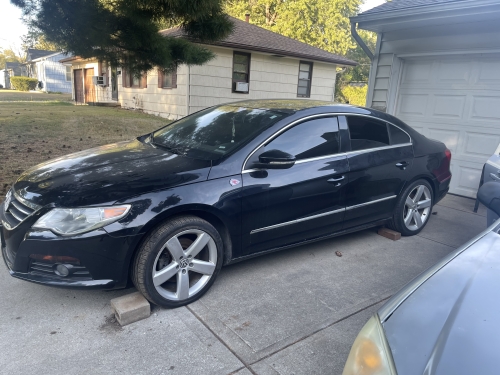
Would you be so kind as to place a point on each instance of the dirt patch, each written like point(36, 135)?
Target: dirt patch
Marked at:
point(32, 133)
point(110, 325)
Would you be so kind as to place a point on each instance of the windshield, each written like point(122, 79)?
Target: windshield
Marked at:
point(215, 132)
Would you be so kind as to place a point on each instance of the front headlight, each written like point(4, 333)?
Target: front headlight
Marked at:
point(69, 221)
point(370, 354)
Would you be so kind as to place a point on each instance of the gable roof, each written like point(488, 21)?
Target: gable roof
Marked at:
point(37, 53)
point(250, 37)
point(405, 4)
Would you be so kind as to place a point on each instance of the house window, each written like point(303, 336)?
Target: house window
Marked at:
point(305, 75)
point(167, 80)
point(241, 72)
point(68, 73)
point(130, 79)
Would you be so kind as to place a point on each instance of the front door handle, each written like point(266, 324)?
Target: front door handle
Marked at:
point(402, 165)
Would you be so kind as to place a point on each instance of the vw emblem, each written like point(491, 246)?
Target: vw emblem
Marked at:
point(184, 262)
point(234, 182)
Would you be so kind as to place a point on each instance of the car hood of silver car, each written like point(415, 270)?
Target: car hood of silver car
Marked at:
point(447, 321)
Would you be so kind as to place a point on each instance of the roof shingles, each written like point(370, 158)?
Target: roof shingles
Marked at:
point(405, 4)
point(254, 38)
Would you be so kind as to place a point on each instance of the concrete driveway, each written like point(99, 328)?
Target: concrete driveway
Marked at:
point(292, 312)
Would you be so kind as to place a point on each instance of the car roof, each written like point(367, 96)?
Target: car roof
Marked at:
point(295, 105)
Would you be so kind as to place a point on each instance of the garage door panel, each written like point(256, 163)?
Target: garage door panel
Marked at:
point(449, 137)
point(466, 179)
point(480, 144)
point(455, 100)
point(486, 108)
point(449, 106)
point(454, 72)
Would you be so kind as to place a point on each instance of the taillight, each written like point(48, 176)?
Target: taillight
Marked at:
point(443, 172)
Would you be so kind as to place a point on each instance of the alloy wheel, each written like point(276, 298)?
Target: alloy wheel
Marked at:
point(184, 265)
point(417, 207)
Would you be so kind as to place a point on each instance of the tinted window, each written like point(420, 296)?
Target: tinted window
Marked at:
point(398, 136)
point(215, 132)
point(310, 139)
point(367, 133)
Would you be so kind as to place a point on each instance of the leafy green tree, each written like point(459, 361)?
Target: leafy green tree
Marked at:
point(35, 39)
point(358, 73)
point(125, 32)
point(322, 23)
point(7, 55)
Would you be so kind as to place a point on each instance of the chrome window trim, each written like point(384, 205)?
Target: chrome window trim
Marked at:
point(297, 221)
point(370, 202)
point(320, 215)
point(364, 151)
point(271, 137)
point(331, 156)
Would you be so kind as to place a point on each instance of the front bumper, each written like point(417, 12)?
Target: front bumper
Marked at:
point(103, 259)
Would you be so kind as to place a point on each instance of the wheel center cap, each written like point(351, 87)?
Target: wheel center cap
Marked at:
point(184, 262)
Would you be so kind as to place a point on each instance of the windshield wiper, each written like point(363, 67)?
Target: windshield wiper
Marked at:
point(174, 150)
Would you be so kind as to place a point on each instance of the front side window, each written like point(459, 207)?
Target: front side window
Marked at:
point(215, 132)
point(367, 133)
point(310, 139)
point(68, 73)
point(241, 72)
point(305, 76)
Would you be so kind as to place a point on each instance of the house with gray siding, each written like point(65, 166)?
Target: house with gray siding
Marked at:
point(251, 63)
point(51, 74)
point(437, 67)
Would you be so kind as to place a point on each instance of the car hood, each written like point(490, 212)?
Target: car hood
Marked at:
point(451, 324)
point(107, 173)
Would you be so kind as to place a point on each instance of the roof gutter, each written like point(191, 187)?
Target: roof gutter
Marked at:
point(360, 41)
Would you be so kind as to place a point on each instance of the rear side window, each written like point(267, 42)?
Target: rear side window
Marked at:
point(398, 136)
point(367, 133)
point(310, 139)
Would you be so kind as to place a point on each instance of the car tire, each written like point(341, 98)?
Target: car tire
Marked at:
point(413, 209)
point(178, 261)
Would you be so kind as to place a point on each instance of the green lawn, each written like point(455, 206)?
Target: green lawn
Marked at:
point(15, 96)
point(33, 132)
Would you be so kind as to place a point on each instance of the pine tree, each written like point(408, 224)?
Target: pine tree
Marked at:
point(125, 32)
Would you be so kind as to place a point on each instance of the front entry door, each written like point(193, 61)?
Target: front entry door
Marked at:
point(285, 206)
point(78, 80)
point(89, 86)
point(380, 161)
point(114, 84)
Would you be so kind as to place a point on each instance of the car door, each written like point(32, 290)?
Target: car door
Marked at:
point(380, 163)
point(285, 206)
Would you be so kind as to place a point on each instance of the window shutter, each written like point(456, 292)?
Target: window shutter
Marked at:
point(144, 81)
point(174, 78)
point(99, 68)
point(160, 78)
point(124, 77)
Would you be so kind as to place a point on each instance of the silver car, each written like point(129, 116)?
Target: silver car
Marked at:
point(446, 321)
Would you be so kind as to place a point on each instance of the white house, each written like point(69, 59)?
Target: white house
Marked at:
point(45, 66)
point(251, 63)
point(437, 67)
point(11, 69)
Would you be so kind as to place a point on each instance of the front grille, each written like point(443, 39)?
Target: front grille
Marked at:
point(42, 268)
point(17, 210)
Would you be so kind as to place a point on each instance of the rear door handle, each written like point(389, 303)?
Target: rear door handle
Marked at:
point(402, 164)
point(336, 179)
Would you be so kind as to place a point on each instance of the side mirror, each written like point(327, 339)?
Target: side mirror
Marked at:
point(276, 159)
point(489, 195)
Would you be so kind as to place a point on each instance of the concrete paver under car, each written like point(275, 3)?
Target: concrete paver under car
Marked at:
point(296, 311)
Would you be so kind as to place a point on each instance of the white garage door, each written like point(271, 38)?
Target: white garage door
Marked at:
point(456, 101)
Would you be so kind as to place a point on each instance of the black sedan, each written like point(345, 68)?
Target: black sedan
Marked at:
point(227, 183)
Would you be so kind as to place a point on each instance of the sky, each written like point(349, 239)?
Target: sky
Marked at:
point(11, 27)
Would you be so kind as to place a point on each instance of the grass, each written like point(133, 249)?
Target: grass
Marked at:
point(20, 96)
point(34, 132)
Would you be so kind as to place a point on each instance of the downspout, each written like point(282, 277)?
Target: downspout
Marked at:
point(360, 41)
point(188, 95)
